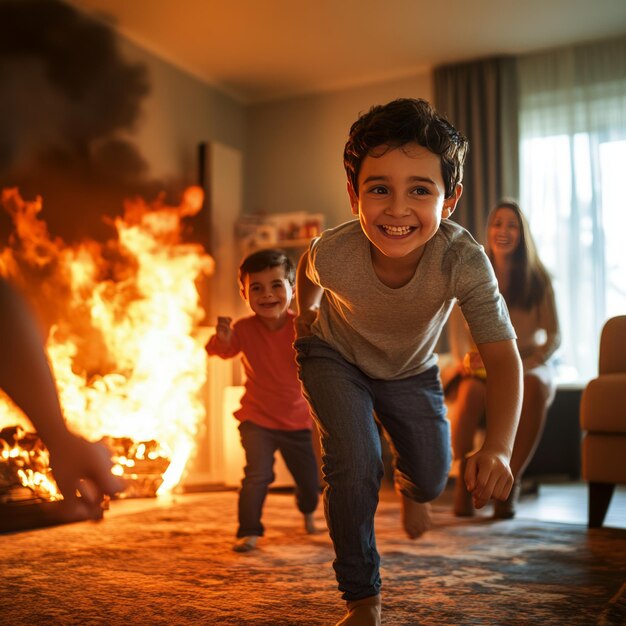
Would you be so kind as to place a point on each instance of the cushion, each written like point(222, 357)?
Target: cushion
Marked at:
point(603, 404)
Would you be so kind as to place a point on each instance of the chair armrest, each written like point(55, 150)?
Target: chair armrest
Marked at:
point(602, 404)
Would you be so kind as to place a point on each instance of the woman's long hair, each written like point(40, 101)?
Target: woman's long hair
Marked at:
point(529, 277)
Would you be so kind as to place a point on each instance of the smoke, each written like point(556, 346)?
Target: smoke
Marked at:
point(69, 100)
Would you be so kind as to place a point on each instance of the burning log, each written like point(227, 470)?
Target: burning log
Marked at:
point(25, 474)
point(140, 465)
point(29, 496)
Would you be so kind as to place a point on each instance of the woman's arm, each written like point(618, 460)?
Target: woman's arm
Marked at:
point(545, 318)
point(549, 320)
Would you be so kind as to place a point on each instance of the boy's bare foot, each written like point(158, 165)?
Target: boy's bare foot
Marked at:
point(364, 612)
point(245, 544)
point(309, 524)
point(415, 517)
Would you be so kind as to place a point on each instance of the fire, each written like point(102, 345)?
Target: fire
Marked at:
point(124, 319)
point(25, 465)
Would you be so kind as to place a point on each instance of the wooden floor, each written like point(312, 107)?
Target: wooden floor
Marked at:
point(554, 501)
point(567, 502)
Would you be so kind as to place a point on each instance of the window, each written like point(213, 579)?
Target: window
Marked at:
point(572, 156)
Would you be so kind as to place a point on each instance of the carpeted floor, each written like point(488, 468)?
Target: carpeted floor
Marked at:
point(173, 564)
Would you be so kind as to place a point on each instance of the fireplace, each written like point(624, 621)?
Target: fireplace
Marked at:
point(125, 340)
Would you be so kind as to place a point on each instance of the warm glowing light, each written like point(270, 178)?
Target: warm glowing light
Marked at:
point(25, 468)
point(125, 352)
point(193, 199)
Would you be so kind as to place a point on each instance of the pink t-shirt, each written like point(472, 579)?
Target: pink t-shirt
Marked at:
point(272, 397)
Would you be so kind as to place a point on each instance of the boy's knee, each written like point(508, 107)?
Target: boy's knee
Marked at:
point(422, 494)
point(358, 469)
point(420, 489)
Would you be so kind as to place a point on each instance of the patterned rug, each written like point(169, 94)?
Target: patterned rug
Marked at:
point(171, 563)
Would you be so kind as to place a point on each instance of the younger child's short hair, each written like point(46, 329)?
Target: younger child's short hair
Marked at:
point(404, 121)
point(266, 259)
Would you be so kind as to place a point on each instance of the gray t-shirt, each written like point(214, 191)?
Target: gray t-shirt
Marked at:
point(391, 333)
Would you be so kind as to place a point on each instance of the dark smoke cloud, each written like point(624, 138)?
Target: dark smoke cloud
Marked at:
point(66, 99)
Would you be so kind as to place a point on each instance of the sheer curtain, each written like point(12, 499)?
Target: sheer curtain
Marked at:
point(572, 122)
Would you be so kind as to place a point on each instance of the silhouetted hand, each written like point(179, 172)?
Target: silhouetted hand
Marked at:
point(82, 467)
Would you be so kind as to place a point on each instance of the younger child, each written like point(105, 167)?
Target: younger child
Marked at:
point(365, 349)
point(273, 413)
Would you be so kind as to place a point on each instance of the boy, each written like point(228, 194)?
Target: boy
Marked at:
point(273, 413)
point(389, 280)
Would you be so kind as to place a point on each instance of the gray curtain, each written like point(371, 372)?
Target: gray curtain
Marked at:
point(480, 99)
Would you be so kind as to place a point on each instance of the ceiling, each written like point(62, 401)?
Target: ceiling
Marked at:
point(260, 50)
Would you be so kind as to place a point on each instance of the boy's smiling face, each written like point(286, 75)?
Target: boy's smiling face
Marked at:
point(268, 293)
point(401, 201)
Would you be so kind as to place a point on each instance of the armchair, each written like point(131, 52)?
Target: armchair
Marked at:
point(603, 420)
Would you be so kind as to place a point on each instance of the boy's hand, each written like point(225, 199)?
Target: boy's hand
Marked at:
point(487, 475)
point(302, 322)
point(223, 330)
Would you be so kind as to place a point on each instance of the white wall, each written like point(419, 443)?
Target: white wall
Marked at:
point(178, 114)
point(294, 156)
point(292, 149)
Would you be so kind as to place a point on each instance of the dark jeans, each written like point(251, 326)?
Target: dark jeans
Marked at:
point(346, 404)
point(260, 445)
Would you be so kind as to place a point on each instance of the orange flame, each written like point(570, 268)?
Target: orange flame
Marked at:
point(124, 341)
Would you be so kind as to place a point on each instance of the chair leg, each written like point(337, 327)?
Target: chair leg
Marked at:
point(600, 495)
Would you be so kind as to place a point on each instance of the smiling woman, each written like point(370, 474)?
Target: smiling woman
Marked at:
point(527, 289)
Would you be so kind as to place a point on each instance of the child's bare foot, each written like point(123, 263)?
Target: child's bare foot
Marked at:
point(415, 517)
point(364, 612)
point(245, 544)
point(309, 524)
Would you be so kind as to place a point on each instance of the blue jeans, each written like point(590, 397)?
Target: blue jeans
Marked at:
point(260, 445)
point(346, 404)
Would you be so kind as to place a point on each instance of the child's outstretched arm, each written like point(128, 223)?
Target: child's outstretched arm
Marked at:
point(222, 343)
point(488, 474)
point(308, 297)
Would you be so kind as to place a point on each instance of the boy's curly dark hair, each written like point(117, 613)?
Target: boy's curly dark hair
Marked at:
point(404, 121)
point(266, 259)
